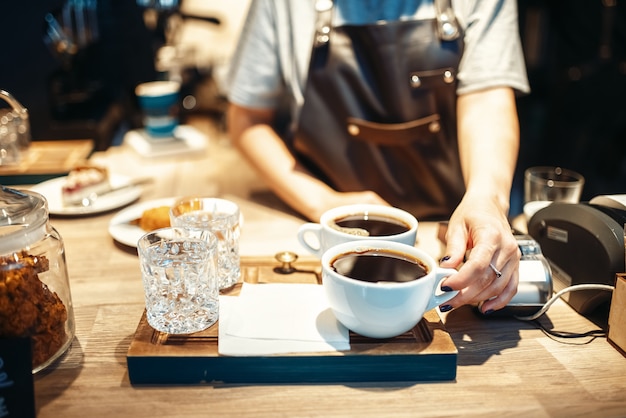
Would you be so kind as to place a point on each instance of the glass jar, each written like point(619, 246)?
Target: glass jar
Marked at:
point(35, 299)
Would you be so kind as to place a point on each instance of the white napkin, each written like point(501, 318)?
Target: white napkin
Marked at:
point(279, 318)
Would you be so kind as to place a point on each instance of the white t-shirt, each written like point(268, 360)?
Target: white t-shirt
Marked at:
point(275, 46)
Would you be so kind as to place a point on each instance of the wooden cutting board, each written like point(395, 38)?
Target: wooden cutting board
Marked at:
point(426, 353)
point(47, 159)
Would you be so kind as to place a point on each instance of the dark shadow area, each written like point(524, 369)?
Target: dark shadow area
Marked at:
point(81, 84)
point(575, 116)
point(478, 340)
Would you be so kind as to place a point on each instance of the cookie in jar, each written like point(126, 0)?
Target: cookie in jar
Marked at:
point(35, 299)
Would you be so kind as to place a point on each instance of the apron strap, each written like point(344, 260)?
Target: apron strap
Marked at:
point(324, 10)
point(447, 24)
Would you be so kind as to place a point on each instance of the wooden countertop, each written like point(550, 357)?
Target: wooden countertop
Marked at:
point(505, 367)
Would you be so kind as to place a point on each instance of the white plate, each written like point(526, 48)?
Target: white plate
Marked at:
point(51, 190)
point(127, 234)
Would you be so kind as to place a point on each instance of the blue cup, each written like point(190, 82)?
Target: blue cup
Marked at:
point(159, 102)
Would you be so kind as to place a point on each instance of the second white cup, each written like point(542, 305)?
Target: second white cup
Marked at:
point(358, 222)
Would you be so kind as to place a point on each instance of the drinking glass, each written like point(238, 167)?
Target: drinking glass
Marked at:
point(222, 218)
point(544, 185)
point(178, 269)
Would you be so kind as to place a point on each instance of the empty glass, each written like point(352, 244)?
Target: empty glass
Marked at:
point(544, 185)
point(178, 269)
point(221, 217)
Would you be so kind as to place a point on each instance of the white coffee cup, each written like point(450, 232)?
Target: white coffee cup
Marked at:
point(383, 308)
point(319, 237)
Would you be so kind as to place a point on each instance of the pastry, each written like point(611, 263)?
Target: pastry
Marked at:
point(155, 218)
point(83, 181)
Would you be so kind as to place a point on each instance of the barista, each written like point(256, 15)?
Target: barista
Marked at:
point(375, 109)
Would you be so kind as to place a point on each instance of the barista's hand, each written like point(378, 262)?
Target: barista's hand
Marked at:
point(479, 226)
point(333, 199)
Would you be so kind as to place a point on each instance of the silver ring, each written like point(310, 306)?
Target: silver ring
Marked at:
point(495, 270)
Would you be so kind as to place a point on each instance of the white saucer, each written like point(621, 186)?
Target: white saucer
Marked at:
point(186, 140)
point(125, 233)
point(51, 190)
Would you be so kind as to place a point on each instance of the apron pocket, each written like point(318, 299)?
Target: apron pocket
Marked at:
point(393, 134)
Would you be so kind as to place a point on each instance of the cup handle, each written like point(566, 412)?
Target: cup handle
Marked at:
point(311, 229)
point(437, 298)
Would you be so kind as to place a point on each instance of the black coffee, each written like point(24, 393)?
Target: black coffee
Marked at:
point(379, 266)
point(375, 225)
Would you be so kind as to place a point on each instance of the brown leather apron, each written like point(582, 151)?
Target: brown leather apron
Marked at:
point(379, 111)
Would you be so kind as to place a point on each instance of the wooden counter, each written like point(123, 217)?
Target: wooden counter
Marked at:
point(505, 367)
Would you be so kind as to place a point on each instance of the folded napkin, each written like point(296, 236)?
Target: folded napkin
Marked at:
point(279, 318)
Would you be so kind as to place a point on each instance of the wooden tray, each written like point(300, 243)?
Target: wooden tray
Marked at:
point(427, 353)
point(47, 159)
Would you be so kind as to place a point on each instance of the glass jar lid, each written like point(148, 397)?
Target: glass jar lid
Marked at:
point(23, 218)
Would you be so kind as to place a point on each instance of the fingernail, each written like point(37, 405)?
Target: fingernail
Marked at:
point(445, 258)
point(446, 289)
point(488, 312)
point(445, 308)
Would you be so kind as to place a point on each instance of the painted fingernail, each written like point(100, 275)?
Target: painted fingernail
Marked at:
point(445, 258)
point(488, 312)
point(445, 308)
point(446, 289)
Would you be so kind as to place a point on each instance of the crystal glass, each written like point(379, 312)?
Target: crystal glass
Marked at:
point(178, 269)
point(220, 216)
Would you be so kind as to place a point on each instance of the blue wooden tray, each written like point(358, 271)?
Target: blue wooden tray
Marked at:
point(426, 353)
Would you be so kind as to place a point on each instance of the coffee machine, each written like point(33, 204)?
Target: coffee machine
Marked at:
point(584, 243)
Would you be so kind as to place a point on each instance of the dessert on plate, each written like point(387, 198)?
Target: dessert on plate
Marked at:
point(154, 218)
point(84, 181)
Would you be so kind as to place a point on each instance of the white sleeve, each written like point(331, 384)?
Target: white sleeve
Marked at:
point(255, 78)
point(493, 53)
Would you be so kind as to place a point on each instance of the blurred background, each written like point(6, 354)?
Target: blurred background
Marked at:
point(575, 116)
point(74, 64)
